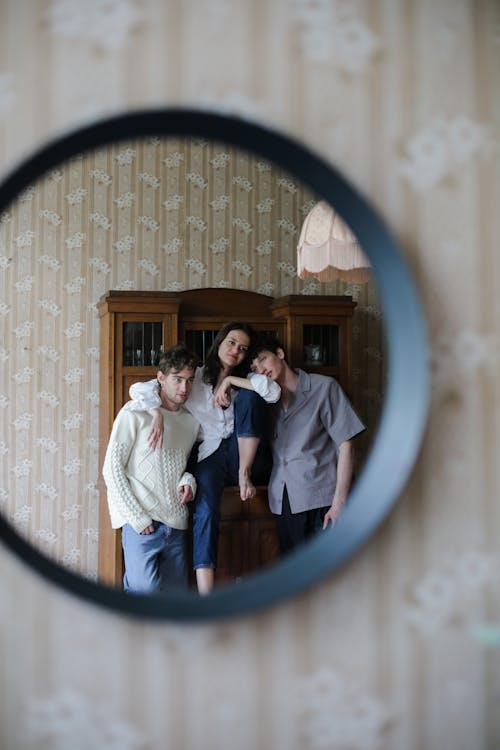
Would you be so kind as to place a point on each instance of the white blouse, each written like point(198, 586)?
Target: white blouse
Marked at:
point(215, 423)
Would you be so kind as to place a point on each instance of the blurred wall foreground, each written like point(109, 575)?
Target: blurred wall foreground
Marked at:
point(401, 648)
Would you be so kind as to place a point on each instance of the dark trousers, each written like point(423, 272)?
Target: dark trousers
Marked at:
point(296, 528)
point(220, 470)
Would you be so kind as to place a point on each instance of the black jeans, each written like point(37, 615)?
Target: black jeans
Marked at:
point(296, 528)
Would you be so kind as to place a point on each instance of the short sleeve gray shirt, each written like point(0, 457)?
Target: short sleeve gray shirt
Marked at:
point(305, 441)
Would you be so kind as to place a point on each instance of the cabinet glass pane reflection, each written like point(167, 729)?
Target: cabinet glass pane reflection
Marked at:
point(321, 345)
point(200, 342)
point(142, 343)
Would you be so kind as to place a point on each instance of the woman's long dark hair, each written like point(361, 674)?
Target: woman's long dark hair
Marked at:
point(213, 366)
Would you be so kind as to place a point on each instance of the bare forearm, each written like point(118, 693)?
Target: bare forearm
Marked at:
point(345, 466)
point(236, 382)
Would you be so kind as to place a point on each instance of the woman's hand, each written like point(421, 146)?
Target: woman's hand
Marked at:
point(155, 437)
point(222, 394)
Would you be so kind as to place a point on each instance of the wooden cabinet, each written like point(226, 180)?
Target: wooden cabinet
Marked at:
point(318, 334)
point(136, 326)
point(247, 537)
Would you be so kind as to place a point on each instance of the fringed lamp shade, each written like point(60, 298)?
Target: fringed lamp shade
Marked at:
point(328, 250)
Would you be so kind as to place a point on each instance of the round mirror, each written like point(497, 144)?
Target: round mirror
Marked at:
point(288, 176)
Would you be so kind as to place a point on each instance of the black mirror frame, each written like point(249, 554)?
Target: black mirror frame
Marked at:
point(405, 408)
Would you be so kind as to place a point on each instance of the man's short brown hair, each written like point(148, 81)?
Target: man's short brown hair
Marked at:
point(177, 358)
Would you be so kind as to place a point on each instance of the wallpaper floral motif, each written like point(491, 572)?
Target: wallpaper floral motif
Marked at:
point(158, 214)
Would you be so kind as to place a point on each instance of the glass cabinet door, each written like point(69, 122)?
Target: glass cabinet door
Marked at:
point(321, 345)
point(199, 341)
point(142, 343)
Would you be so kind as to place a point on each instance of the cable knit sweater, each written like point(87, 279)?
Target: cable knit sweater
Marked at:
point(143, 484)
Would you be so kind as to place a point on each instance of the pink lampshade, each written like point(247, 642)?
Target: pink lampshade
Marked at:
point(328, 250)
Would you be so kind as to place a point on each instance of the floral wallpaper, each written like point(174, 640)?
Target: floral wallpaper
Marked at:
point(399, 647)
point(157, 214)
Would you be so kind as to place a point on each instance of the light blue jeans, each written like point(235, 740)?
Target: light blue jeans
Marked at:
point(153, 562)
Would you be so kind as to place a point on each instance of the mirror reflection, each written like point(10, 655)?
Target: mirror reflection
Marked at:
point(106, 262)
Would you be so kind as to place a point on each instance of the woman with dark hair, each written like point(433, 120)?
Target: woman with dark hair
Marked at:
point(232, 449)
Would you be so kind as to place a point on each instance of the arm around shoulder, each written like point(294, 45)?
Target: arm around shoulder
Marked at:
point(144, 396)
point(261, 384)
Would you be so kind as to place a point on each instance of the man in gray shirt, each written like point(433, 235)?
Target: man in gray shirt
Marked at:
point(313, 425)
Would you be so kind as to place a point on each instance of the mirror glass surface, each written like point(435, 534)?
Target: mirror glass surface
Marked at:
point(149, 214)
point(171, 200)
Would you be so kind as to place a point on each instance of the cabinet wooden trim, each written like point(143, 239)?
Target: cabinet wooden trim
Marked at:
point(309, 304)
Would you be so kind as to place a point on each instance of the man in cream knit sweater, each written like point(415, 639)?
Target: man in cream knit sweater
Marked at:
point(148, 489)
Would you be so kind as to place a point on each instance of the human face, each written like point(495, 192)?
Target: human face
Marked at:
point(270, 364)
point(175, 387)
point(232, 350)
